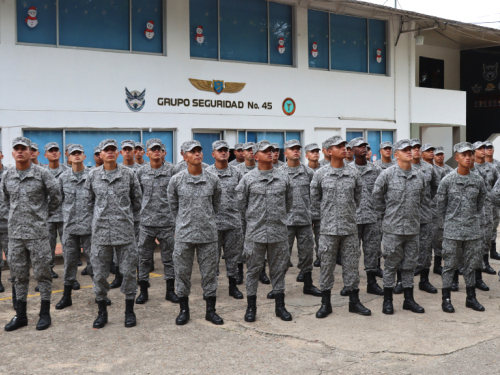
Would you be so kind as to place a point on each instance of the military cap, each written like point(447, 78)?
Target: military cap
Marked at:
point(427, 147)
point(128, 143)
point(248, 145)
point(415, 142)
point(275, 146)
point(34, 146)
point(238, 146)
point(163, 147)
point(333, 141)
point(439, 150)
point(217, 145)
point(188, 146)
point(311, 147)
point(368, 147)
point(401, 144)
point(50, 145)
point(108, 142)
point(97, 150)
point(385, 144)
point(261, 146)
point(488, 144)
point(291, 143)
point(477, 145)
point(139, 144)
point(359, 141)
point(67, 146)
point(462, 147)
point(21, 141)
point(74, 147)
point(153, 142)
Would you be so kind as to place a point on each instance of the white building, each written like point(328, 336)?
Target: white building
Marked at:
point(64, 79)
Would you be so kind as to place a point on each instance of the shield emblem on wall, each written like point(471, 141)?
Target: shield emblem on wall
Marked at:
point(218, 86)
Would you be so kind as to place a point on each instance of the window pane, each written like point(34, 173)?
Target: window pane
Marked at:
point(351, 135)
point(241, 137)
point(293, 135)
point(251, 137)
point(317, 26)
point(280, 26)
point(94, 24)
point(143, 40)
point(377, 41)
point(42, 137)
point(243, 30)
point(348, 39)
point(203, 13)
point(166, 137)
point(206, 140)
point(45, 27)
point(374, 141)
point(272, 137)
point(387, 136)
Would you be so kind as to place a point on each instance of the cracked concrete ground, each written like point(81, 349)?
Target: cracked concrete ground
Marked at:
point(432, 343)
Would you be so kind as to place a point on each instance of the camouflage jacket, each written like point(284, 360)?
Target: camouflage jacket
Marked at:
point(366, 212)
point(57, 217)
point(77, 217)
point(244, 169)
point(324, 162)
point(300, 179)
point(490, 177)
point(428, 205)
point(235, 162)
point(134, 166)
point(182, 166)
point(4, 211)
point(382, 165)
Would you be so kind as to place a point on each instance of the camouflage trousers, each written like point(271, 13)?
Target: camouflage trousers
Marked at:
point(486, 224)
point(461, 253)
point(72, 245)
point(207, 256)
point(278, 259)
point(4, 247)
point(127, 256)
point(349, 248)
point(54, 228)
point(371, 236)
point(147, 245)
point(496, 222)
point(425, 237)
point(437, 242)
point(231, 242)
point(316, 224)
point(20, 253)
point(305, 245)
point(137, 231)
point(399, 251)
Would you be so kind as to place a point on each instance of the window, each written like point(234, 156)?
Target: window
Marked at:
point(257, 31)
point(373, 137)
point(338, 42)
point(273, 137)
point(206, 140)
point(43, 28)
point(41, 138)
point(431, 73)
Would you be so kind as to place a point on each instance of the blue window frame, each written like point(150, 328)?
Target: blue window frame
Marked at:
point(206, 140)
point(204, 13)
point(45, 32)
point(378, 40)
point(42, 137)
point(317, 26)
point(348, 36)
point(143, 12)
point(280, 26)
point(167, 137)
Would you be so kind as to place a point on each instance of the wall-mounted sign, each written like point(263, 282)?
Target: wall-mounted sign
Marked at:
point(217, 86)
point(289, 106)
point(490, 72)
point(135, 100)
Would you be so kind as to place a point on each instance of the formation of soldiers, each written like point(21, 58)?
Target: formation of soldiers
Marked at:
point(250, 211)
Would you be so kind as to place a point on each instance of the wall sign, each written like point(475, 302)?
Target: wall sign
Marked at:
point(217, 86)
point(135, 100)
point(289, 106)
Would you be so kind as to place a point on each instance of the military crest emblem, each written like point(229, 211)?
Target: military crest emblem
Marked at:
point(135, 100)
point(217, 86)
point(490, 72)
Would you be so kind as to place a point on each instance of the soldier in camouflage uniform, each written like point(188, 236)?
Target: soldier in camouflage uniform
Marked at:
point(139, 152)
point(238, 154)
point(77, 221)
point(34, 153)
point(67, 163)
point(336, 193)
point(228, 218)
point(4, 238)
point(31, 194)
point(194, 196)
point(276, 154)
point(114, 199)
point(461, 196)
point(128, 154)
point(398, 193)
point(312, 155)
point(265, 198)
point(157, 221)
point(97, 157)
point(349, 156)
point(490, 150)
point(367, 217)
point(182, 165)
point(386, 160)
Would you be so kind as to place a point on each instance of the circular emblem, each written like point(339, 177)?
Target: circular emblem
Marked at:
point(289, 106)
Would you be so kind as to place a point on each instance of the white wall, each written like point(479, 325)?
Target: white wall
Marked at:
point(451, 59)
point(439, 136)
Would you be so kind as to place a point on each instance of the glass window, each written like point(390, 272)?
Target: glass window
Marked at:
point(167, 137)
point(206, 140)
point(377, 46)
point(387, 136)
point(94, 24)
point(293, 135)
point(251, 137)
point(147, 26)
point(349, 136)
point(317, 25)
point(272, 137)
point(348, 43)
point(374, 141)
point(42, 137)
point(203, 17)
point(280, 34)
point(241, 137)
point(37, 22)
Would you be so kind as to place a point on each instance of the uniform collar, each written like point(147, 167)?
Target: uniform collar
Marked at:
point(335, 171)
point(160, 171)
point(300, 169)
point(401, 172)
point(72, 176)
point(30, 172)
point(226, 173)
point(192, 180)
point(115, 175)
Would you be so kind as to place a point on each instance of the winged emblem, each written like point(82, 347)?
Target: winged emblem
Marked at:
point(217, 86)
point(135, 100)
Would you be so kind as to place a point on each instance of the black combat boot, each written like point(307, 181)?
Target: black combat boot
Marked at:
point(2, 289)
point(44, 321)
point(239, 279)
point(130, 318)
point(471, 300)
point(326, 304)
point(424, 283)
point(108, 301)
point(251, 312)
point(487, 268)
point(144, 295)
point(54, 275)
point(410, 304)
point(112, 268)
point(309, 288)
point(37, 288)
point(171, 296)
point(417, 271)
point(183, 316)
point(280, 310)
point(372, 286)
point(79, 262)
point(493, 251)
point(480, 283)
point(380, 271)
point(76, 285)
point(117, 282)
point(233, 289)
point(14, 297)
point(300, 277)
point(102, 315)
point(454, 283)
point(438, 268)
point(398, 289)
point(344, 292)
point(446, 304)
point(263, 277)
point(387, 307)
point(66, 300)
point(355, 305)
point(270, 295)
point(85, 272)
point(317, 263)
point(211, 315)
point(20, 319)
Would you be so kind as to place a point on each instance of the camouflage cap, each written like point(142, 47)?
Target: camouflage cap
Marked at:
point(248, 145)
point(488, 144)
point(238, 146)
point(462, 147)
point(74, 147)
point(50, 145)
point(357, 142)
point(106, 143)
point(188, 146)
point(217, 145)
point(401, 144)
point(368, 147)
point(414, 142)
point(439, 150)
point(428, 147)
point(276, 146)
point(477, 145)
point(261, 146)
point(311, 147)
point(153, 142)
point(97, 150)
point(385, 144)
point(333, 141)
point(128, 143)
point(21, 141)
point(163, 147)
point(34, 146)
point(291, 143)
point(139, 144)
point(66, 148)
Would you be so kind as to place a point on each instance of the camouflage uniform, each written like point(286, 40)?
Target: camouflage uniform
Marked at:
point(243, 168)
point(182, 166)
point(114, 198)
point(437, 242)
point(496, 210)
point(324, 162)
point(382, 165)
point(235, 163)
point(4, 217)
point(31, 196)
